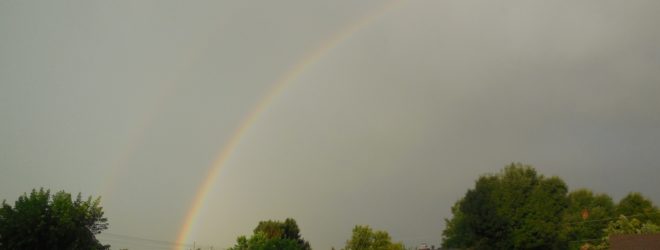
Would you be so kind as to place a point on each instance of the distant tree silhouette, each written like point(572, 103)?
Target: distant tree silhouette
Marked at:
point(42, 221)
point(365, 238)
point(274, 235)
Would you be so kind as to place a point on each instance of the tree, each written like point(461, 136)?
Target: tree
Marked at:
point(637, 206)
point(273, 235)
point(586, 217)
point(42, 221)
point(456, 233)
point(623, 225)
point(540, 222)
point(364, 238)
point(515, 209)
point(261, 241)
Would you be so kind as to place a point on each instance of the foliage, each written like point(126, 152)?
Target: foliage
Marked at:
point(624, 225)
point(636, 215)
point(364, 238)
point(273, 235)
point(520, 209)
point(634, 204)
point(457, 233)
point(515, 209)
point(42, 221)
point(261, 241)
point(585, 217)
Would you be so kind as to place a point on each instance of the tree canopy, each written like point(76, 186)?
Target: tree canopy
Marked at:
point(44, 221)
point(273, 235)
point(638, 206)
point(514, 209)
point(519, 209)
point(585, 217)
point(624, 226)
point(365, 238)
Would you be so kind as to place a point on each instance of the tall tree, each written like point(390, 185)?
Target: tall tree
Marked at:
point(42, 221)
point(514, 209)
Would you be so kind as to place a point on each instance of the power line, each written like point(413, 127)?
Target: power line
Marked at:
point(608, 219)
point(138, 244)
point(612, 218)
point(125, 240)
point(135, 238)
point(168, 244)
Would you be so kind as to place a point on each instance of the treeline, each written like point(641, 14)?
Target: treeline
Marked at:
point(516, 208)
point(41, 220)
point(521, 209)
point(276, 235)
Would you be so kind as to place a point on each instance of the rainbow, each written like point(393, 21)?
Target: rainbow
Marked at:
point(136, 135)
point(260, 107)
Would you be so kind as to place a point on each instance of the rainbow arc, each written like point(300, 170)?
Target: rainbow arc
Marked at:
point(287, 79)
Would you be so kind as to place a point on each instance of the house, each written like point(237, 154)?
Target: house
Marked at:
point(635, 241)
point(424, 246)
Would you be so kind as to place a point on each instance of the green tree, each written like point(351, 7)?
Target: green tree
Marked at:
point(365, 238)
point(515, 209)
point(637, 206)
point(586, 217)
point(274, 235)
point(457, 234)
point(540, 216)
point(261, 241)
point(42, 221)
point(624, 225)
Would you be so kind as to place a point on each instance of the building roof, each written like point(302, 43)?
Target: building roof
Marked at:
point(635, 241)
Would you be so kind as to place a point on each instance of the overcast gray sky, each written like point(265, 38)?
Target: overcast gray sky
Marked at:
point(132, 100)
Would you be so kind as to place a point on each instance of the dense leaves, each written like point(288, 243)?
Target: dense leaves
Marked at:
point(520, 209)
point(623, 226)
point(261, 241)
point(586, 217)
point(42, 221)
point(634, 204)
point(365, 238)
point(273, 235)
point(515, 209)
